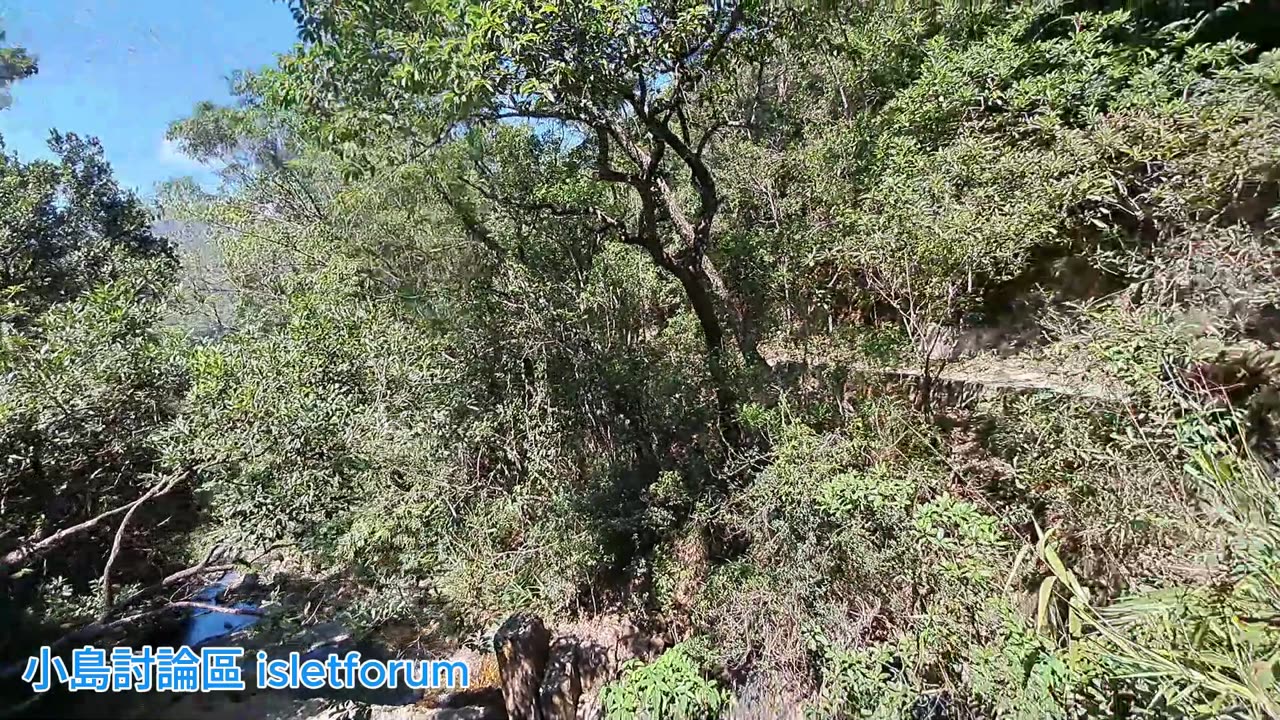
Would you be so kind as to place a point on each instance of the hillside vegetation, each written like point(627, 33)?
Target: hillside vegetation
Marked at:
point(887, 360)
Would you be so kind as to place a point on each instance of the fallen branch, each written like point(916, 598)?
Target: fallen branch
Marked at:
point(158, 489)
point(224, 609)
point(173, 579)
point(31, 552)
point(183, 575)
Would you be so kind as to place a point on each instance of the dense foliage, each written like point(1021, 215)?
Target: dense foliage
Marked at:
point(90, 384)
point(893, 361)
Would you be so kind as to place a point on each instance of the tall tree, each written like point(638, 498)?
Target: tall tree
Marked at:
point(88, 384)
point(620, 78)
point(66, 227)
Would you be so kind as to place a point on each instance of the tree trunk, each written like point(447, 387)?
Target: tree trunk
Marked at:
point(743, 331)
point(695, 282)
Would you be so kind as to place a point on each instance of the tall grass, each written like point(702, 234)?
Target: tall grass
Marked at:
point(1205, 650)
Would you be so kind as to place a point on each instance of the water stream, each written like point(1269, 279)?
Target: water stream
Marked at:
point(204, 626)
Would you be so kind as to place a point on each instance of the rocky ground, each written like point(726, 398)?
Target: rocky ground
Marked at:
point(570, 663)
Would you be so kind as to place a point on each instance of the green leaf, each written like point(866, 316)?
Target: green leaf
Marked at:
point(1045, 595)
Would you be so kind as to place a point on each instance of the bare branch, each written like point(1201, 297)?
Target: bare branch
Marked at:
point(225, 610)
point(31, 552)
point(711, 131)
point(172, 579)
point(158, 489)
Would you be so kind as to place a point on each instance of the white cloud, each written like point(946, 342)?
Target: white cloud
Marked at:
point(170, 154)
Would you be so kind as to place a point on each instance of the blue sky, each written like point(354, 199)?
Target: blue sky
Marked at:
point(124, 69)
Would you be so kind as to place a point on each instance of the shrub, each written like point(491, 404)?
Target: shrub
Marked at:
point(673, 686)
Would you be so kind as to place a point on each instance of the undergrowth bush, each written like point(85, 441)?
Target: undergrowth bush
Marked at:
point(672, 686)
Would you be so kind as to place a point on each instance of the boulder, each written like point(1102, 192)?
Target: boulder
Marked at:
point(522, 646)
point(562, 684)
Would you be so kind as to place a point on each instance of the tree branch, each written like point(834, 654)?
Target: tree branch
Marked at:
point(711, 131)
point(604, 165)
point(173, 579)
point(697, 233)
point(472, 225)
point(225, 610)
point(722, 38)
point(30, 552)
point(158, 489)
point(718, 42)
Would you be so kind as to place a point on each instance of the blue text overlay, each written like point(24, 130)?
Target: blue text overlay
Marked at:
point(166, 669)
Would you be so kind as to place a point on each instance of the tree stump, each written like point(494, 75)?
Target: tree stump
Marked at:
point(562, 685)
point(522, 645)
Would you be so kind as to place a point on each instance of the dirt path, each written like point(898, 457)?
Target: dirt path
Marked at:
point(1008, 374)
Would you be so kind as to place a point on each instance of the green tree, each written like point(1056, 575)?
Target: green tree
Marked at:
point(499, 364)
point(90, 385)
point(15, 64)
point(618, 80)
point(67, 227)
